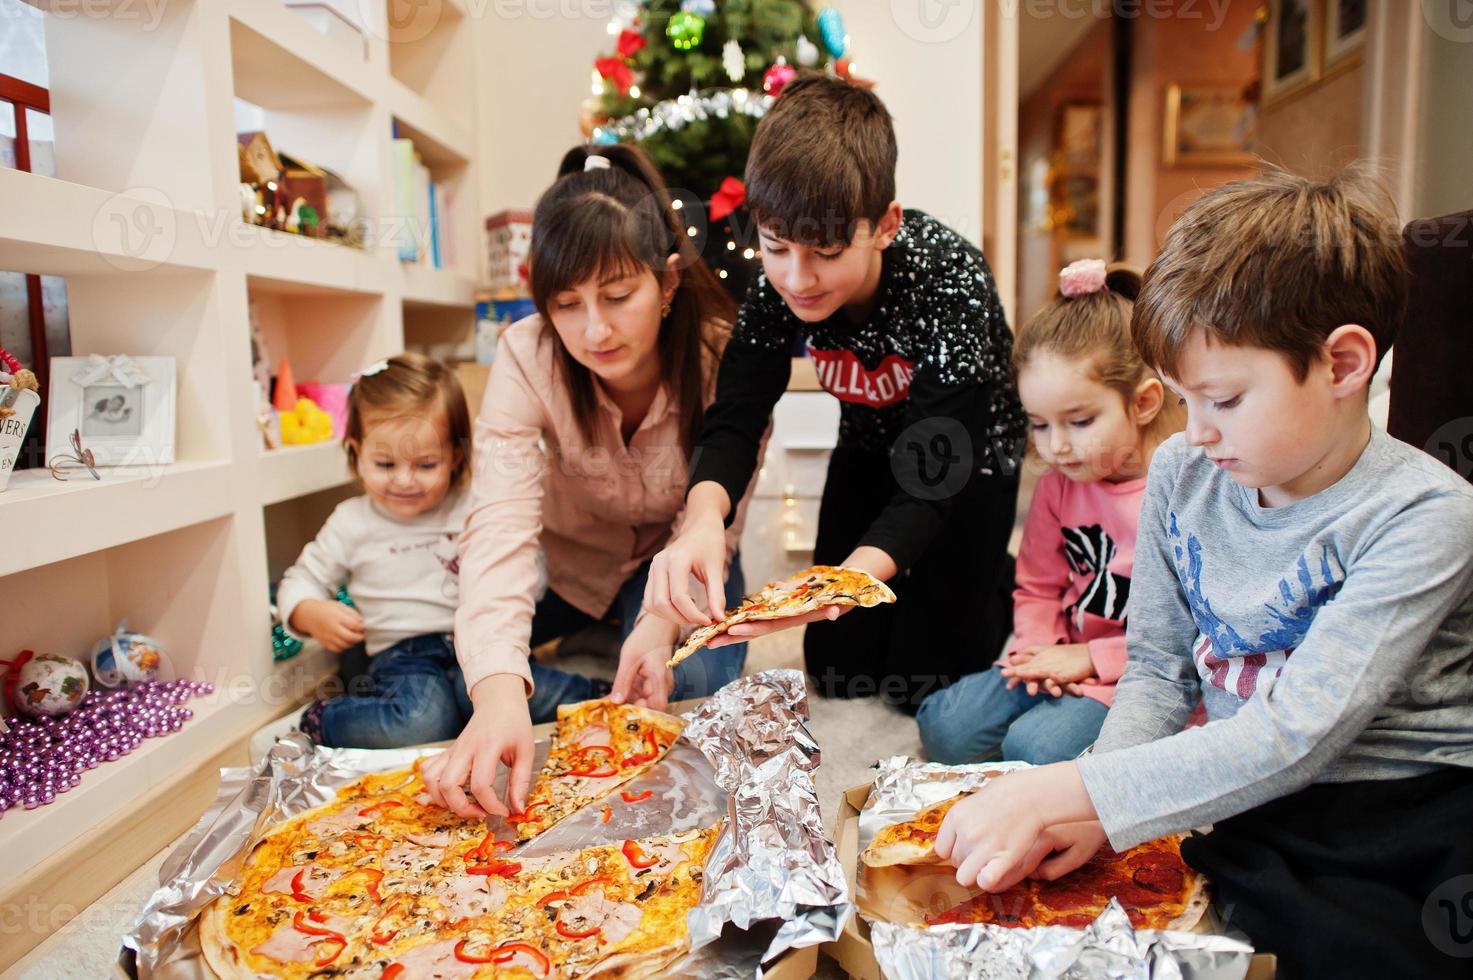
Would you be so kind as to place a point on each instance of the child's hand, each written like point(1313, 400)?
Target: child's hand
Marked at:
point(1055, 669)
point(1000, 835)
point(643, 678)
point(1074, 844)
point(329, 622)
point(499, 733)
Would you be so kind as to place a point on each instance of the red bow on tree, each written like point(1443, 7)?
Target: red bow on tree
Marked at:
point(731, 195)
point(630, 43)
point(617, 72)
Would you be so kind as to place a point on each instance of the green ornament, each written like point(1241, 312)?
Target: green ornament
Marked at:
point(686, 30)
point(284, 646)
point(344, 598)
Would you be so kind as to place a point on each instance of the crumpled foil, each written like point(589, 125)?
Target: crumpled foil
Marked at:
point(891, 899)
point(1109, 948)
point(750, 759)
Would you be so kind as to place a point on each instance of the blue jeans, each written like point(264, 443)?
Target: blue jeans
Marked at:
point(978, 719)
point(416, 695)
point(700, 675)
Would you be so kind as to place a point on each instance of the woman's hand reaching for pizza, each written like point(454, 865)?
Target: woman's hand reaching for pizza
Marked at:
point(643, 678)
point(699, 551)
point(499, 733)
point(1003, 832)
point(1056, 670)
point(865, 558)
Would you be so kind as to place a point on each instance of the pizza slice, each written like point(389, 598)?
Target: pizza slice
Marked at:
point(597, 747)
point(811, 589)
point(1151, 882)
point(912, 841)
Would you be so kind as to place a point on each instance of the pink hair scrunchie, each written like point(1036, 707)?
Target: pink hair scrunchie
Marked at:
point(1082, 277)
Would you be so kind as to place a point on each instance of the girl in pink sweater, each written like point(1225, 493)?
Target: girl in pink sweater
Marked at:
point(1097, 413)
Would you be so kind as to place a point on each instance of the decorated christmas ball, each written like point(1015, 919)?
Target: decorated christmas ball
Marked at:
point(776, 78)
point(126, 657)
point(686, 30)
point(831, 32)
point(47, 684)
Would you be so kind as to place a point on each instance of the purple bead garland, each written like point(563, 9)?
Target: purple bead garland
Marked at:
point(41, 758)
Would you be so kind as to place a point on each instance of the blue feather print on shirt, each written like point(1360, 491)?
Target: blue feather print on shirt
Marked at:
point(1290, 612)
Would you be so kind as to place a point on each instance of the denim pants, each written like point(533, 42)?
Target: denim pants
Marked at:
point(978, 719)
point(415, 694)
point(700, 675)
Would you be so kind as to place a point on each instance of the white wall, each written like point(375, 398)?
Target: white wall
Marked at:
point(536, 56)
point(1442, 184)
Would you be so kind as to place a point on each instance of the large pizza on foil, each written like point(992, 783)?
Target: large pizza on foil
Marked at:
point(382, 883)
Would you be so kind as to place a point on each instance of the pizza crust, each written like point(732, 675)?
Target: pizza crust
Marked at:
point(910, 842)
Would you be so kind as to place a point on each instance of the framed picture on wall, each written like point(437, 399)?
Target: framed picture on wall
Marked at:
point(122, 407)
point(1345, 32)
point(1291, 49)
point(1209, 125)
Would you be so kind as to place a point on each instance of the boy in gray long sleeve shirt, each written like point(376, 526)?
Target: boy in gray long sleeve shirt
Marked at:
point(1306, 579)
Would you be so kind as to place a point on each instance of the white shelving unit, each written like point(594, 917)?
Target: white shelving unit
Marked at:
point(143, 221)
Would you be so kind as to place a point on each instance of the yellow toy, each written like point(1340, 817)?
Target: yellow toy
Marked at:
point(305, 424)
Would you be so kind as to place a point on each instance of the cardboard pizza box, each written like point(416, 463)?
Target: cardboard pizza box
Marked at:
point(853, 950)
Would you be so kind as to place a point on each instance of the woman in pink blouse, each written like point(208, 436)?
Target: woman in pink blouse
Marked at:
point(581, 452)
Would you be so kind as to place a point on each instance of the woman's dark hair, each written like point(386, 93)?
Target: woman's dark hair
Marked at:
point(606, 220)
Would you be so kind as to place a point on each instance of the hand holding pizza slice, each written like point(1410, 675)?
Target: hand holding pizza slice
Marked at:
point(810, 594)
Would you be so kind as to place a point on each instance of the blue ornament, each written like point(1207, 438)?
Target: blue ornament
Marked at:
point(831, 32)
point(604, 137)
point(703, 8)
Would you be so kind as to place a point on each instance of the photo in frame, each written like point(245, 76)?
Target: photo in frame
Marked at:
point(1345, 32)
point(1209, 125)
point(123, 407)
point(1291, 49)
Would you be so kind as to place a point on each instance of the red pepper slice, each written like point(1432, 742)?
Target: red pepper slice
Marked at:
point(608, 812)
point(495, 866)
point(604, 773)
point(643, 757)
point(379, 938)
point(585, 768)
point(369, 811)
point(637, 797)
point(298, 889)
point(377, 876)
point(371, 842)
point(489, 842)
point(465, 957)
point(505, 952)
point(392, 972)
point(553, 896)
point(312, 930)
point(338, 943)
point(564, 931)
point(583, 886)
point(636, 857)
point(526, 815)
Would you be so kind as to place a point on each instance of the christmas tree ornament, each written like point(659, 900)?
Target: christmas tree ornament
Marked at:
point(731, 195)
point(616, 72)
point(284, 646)
point(686, 30)
point(844, 68)
point(733, 60)
point(807, 52)
point(44, 756)
point(702, 8)
point(44, 685)
point(630, 43)
point(776, 78)
point(285, 395)
point(831, 32)
point(126, 657)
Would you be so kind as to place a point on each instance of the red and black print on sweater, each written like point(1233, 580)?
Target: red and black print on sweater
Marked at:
point(930, 433)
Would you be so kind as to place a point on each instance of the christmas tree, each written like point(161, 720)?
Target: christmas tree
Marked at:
point(688, 80)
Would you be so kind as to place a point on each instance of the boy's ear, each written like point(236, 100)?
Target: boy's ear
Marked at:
point(889, 225)
point(1150, 396)
point(1351, 354)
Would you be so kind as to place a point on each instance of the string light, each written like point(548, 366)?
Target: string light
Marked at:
point(677, 204)
point(731, 246)
point(691, 231)
point(721, 273)
point(748, 253)
point(634, 91)
point(675, 114)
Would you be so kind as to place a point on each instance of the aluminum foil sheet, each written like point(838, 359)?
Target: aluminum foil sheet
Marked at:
point(892, 899)
point(747, 757)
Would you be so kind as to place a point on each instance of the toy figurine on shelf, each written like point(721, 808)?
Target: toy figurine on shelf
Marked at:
point(305, 424)
point(19, 398)
point(126, 657)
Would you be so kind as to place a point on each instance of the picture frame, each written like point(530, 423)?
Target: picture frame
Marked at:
point(1291, 48)
point(1345, 33)
point(1209, 126)
point(123, 407)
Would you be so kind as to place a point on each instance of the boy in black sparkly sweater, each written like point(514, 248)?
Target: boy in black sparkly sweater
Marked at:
point(902, 319)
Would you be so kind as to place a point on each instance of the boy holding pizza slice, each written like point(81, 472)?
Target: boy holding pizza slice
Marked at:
point(902, 320)
point(1306, 579)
